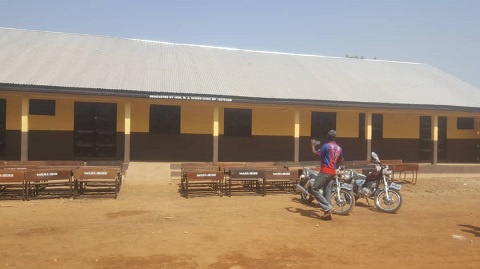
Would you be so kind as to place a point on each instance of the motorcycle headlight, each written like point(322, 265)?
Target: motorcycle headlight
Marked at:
point(387, 172)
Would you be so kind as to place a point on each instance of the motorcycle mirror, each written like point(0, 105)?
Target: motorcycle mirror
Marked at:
point(375, 157)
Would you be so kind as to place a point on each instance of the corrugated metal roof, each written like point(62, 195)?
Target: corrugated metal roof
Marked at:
point(94, 62)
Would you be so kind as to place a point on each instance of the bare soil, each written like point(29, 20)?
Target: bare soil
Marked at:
point(152, 226)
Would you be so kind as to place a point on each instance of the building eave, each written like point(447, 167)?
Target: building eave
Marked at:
point(228, 98)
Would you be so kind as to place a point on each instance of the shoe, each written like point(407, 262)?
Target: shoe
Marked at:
point(329, 212)
point(329, 217)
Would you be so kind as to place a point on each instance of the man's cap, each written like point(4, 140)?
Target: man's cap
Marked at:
point(332, 134)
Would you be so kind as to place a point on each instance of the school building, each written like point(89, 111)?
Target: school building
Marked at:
point(82, 97)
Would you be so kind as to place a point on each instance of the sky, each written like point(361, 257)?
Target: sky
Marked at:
point(444, 34)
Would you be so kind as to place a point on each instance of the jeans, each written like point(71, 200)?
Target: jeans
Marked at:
point(322, 190)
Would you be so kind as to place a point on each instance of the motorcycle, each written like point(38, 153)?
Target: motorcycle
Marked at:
point(377, 185)
point(343, 199)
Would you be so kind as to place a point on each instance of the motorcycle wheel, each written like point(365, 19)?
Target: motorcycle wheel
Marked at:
point(345, 204)
point(388, 206)
point(306, 199)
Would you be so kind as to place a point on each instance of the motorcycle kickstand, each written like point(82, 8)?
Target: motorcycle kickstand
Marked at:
point(368, 203)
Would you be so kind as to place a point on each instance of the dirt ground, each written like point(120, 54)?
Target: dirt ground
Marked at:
point(151, 226)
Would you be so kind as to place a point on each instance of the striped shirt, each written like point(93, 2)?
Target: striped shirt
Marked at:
point(330, 153)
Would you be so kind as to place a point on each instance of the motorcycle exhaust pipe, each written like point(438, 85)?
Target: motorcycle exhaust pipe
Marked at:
point(302, 189)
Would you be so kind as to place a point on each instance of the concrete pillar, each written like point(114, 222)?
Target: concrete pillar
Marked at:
point(24, 130)
point(296, 154)
point(216, 130)
point(128, 109)
point(435, 138)
point(368, 134)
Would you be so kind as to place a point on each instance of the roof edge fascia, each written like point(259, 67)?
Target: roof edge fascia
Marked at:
point(226, 98)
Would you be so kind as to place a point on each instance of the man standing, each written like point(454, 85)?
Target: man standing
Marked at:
point(330, 155)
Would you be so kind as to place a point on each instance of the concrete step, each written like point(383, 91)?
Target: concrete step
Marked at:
point(148, 172)
point(449, 168)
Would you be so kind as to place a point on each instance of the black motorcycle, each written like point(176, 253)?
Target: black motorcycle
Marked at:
point(377, 185)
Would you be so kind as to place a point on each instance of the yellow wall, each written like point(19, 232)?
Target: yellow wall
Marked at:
point(266, 120)
point(197, 117)
point(140, 117)
point(347, 124)
point(454, 133)
point(305, 123)
point(14, 112)
point(194, 118)
point(121, 116)
point(62, 121)
point(397, 125)
point(64, 115)
point(273, 121)
point(221, 116)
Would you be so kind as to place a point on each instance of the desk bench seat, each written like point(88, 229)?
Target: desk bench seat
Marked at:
point(12, 184)
point(405, 168)
point(46, 182)
point(97, 181)
point(244, 179)
point(280, 180)
point(202, 181)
